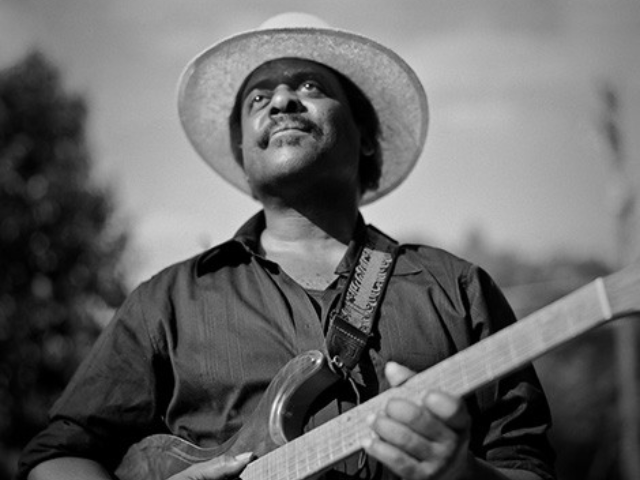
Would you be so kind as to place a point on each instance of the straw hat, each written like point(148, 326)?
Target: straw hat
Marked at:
point(209, 85)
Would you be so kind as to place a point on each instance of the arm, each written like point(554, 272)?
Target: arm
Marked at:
point(430, 440)
point(69, 468)
point(73, 468)
point(109, 404)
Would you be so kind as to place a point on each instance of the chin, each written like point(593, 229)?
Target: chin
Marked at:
point(294, 158)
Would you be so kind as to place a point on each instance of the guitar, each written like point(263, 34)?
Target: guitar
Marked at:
point(273, 433)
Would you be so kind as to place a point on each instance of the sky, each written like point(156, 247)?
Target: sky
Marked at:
point(515, 149)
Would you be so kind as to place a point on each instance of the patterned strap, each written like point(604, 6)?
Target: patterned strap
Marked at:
point(352, 323)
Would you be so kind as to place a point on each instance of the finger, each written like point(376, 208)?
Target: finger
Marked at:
point(419, 419)
point(415, 430)
point(451, 410)
point(401, 435)
point(397, 374)
point(399, 462)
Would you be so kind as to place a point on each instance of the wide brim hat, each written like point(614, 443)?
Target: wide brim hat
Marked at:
point(210, 83)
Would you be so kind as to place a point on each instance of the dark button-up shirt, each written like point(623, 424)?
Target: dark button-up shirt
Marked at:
point(191, 351)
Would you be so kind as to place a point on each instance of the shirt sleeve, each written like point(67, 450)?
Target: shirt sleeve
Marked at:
point(512, 416)
point(112, 400)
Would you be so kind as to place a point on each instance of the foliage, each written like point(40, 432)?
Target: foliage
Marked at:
point(59, 246)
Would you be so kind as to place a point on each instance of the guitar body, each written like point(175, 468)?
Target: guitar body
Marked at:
point(278, 418)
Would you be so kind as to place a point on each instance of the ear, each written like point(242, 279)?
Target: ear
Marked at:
point(367, 147)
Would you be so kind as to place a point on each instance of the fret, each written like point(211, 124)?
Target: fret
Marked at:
point(481, 366)
point(489, 369)
point(506, 337)
point(500, 351)
point(439, 380)
point(272, 465)
point(523, 348)
point(301, 463)
point(448, 375)
point(311, 459)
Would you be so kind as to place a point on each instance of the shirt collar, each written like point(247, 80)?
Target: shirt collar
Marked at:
point(246, 244)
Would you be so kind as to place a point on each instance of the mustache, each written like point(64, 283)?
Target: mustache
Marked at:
point(293, 121)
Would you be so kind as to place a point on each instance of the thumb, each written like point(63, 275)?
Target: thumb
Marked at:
point(397, 374)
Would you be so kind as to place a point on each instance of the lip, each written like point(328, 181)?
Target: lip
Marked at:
point(289, 128)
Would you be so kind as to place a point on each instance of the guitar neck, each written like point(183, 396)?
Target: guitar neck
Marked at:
point(461, 374)
point(518, 344)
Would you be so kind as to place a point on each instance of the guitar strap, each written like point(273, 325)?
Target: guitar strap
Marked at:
point(352, 322)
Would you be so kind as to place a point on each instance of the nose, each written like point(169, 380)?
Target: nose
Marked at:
point(285, 100)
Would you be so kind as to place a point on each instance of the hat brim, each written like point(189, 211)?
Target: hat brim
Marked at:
point(209, 85)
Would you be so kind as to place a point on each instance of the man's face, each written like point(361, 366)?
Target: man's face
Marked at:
point(297, 127)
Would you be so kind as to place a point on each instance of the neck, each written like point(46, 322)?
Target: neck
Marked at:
point(316, 218)
point(308, 246)
point(295, 227)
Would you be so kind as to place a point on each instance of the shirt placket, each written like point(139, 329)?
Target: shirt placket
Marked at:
point(308, 329)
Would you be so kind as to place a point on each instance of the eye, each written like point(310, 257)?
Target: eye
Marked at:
point(256, 100)
point(311, 86)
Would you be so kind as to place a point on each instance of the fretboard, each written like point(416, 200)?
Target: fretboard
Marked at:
point(461, 374)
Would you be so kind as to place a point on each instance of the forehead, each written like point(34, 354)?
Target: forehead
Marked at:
point(289, 70)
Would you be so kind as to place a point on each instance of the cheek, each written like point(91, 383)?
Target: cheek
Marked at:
point(251, 124)
point(346, 130)
point(245, 130)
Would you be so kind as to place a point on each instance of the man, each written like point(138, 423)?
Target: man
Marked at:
point(313, 122)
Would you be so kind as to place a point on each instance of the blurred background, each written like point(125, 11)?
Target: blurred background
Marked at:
point(531, 170)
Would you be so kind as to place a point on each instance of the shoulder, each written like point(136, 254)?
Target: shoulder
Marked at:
point(434, 262)
point(183, 281)
point(191, 269)
point(170, 276)
point(177, 292)
point(415, 258)
point(456, 277)
point(459, 287)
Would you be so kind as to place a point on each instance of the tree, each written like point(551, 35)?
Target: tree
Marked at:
point(60, 247)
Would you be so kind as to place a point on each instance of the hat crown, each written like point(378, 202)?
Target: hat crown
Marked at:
point(293, 20)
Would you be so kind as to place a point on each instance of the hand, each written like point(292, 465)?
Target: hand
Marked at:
point(421, 441)
point(219, 468)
